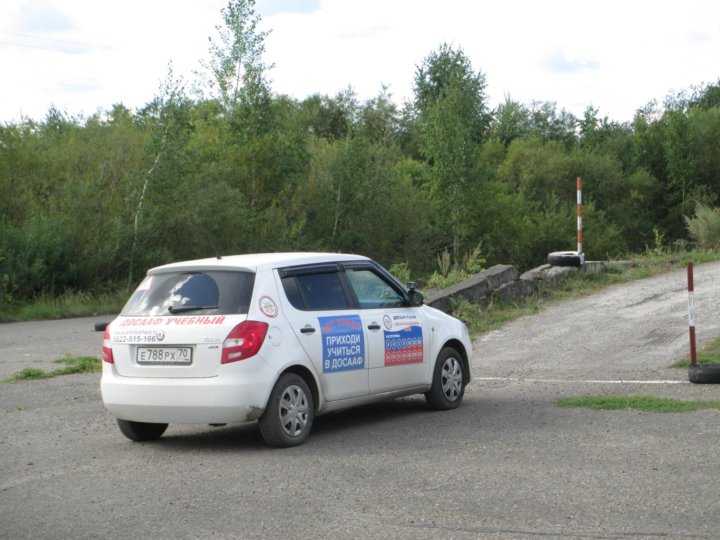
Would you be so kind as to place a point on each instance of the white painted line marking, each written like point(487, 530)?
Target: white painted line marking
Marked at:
point(518, 379)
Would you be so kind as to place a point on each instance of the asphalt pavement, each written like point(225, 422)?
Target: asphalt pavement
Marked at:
point(509, 463)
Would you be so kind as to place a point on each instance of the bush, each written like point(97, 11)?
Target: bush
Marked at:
point(704, 228)
point(472, 263)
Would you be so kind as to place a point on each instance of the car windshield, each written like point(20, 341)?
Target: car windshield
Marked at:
point(218, 293)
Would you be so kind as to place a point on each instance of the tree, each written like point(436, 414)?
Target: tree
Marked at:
point(707, 97)
point(450, 106)
point(510, 121)
point(445, 71)
point(236, 60)
point(379, 119)
point(330, 117)
point(549, 125)
point(678, 156)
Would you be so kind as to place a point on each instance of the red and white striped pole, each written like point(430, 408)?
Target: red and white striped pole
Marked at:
point(691, 314)
point(579, 221)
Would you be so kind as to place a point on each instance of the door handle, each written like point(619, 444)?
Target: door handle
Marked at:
point(307, 330)
point(374, 326)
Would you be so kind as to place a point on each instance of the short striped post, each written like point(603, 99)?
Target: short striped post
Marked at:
point(579, 221)
point(691, 314)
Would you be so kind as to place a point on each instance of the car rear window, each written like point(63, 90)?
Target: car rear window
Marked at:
point(212, 293)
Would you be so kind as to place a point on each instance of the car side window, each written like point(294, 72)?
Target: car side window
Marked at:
point(371, 290)
point(316, 292)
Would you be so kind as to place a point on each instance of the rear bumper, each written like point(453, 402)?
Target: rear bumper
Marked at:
point(230, 397)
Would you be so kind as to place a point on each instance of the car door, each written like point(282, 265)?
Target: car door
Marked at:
point(397, 334)
point(320, 310)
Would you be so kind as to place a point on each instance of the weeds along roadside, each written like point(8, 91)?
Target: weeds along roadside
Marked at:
point(68, 305)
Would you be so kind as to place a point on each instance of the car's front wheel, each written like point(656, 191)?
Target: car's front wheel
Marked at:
point(448, 385)
point(289, 414)
point(141, 431)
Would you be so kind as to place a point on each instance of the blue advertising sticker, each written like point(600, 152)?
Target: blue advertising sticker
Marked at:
point(343, 344)
point(404, 346)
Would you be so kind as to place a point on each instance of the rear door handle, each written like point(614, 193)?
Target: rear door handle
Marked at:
point(374, 326)
point(307, 330)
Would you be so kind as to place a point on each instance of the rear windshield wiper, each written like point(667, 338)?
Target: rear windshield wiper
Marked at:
point(182, 309)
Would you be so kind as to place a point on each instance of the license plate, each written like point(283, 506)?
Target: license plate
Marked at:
point(164, 356)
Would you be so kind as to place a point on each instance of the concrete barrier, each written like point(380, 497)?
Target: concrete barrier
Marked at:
point(503, 282)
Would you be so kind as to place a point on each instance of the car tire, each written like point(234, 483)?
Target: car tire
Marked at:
point(289, 414)
point(564, 258)
point(448, 384)
point(704, 374)
point(141, 431)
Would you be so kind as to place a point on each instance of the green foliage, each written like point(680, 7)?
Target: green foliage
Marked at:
point(704, 227)
point(6, 292)
point(27, 374)
point(658, 249)
point(547, 124)
point(331, 117)
point(236, 61)
point(510, 121)
point(88, 204)
point(468, 312)
point(447, 71)
point(66, 304)
point(709, 354)
point(450, 106)
point(706, 97)
point(443, 260)
point(401, 271)
point(73, 365)
point(471, 263)
point(78, 364)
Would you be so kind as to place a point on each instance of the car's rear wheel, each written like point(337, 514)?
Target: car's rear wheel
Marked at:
point(141, 431)
point(289, 414)
point(448, 386)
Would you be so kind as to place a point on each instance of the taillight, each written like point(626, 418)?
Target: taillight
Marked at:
point(107, 354)
point(243, 341)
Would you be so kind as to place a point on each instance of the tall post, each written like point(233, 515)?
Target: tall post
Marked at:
point(579, 221)
point(691, 314)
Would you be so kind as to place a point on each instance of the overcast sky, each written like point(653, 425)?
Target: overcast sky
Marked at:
point(82, 56)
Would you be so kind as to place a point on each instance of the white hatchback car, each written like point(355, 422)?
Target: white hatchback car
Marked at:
point(278, 338)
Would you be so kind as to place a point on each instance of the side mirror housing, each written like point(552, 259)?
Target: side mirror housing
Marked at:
point(416, 297)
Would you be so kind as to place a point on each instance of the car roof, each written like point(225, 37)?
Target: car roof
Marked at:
point(254, 262)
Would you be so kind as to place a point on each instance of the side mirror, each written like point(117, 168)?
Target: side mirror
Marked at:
point(416, 297)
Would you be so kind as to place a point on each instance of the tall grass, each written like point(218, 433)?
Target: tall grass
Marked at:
point(710, 354)
point(67, 305)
